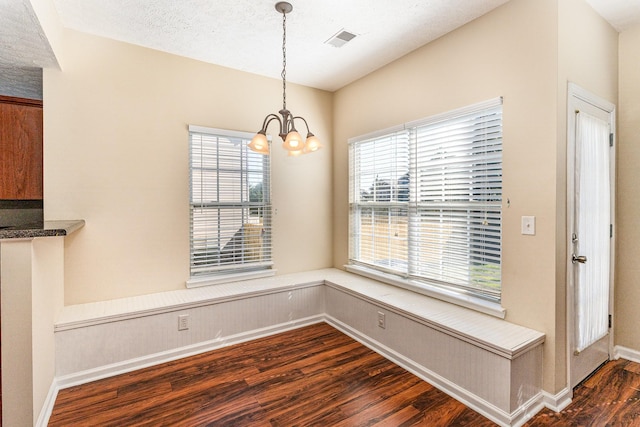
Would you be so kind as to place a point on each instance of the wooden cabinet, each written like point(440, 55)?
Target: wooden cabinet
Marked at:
point(20, 149)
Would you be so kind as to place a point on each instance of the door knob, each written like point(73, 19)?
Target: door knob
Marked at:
point(581, 259)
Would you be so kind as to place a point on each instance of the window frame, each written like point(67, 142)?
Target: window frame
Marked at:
point(236, 265)
point(469, 296)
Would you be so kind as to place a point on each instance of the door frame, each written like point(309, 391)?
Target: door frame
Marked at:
point(576, 94)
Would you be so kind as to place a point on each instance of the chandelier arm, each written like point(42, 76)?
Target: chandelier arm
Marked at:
point(303, 119)
point(268, 120)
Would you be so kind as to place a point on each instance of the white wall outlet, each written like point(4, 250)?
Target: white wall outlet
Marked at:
point(382, 322)
point(183, 322)
point(529, 225)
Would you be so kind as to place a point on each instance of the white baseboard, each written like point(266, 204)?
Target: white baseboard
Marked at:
point(620, 352)
point(527, 411)
point(500, 417)
point(47, 407)
point(557, 402)
point(130, 365)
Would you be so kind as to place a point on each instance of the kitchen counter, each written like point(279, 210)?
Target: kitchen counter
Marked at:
point(41, 229)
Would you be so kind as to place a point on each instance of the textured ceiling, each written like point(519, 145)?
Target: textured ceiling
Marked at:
point(22, 41)
point(247, 34)
point(24, 50)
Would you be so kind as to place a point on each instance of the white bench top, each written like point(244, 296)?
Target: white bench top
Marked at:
point(496, 335)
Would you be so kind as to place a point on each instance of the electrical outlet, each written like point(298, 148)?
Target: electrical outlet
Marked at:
point(382, 323)
point(183, 322)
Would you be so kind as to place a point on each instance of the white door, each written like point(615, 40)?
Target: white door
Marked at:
point(590, 248)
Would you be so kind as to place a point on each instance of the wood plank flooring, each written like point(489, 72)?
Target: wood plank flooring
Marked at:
point(313, 376)
point(611, 397)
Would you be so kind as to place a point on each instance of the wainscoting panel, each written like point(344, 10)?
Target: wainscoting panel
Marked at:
point(492, 366)
point(526, 379)
point(85, 348)
point(471, 368)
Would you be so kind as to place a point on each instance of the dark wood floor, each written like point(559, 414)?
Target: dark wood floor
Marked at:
point(314, 376)
point(611, 398)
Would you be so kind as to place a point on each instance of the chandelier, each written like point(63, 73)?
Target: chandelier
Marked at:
point(293, 142)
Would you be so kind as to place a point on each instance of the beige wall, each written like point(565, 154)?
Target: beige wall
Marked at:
point(47, 302)
point(627, 290)
point(512, 52)
point(45, 10)
point(116, 155)
point(16, 276)
point(32, 297)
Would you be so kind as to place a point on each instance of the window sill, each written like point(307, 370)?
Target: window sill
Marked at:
point(467, 301)
point(196, 282)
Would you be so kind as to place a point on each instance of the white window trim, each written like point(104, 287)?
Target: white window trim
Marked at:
point(208, 280)
point(197, 282)
point(457, 297)
point(216, 131)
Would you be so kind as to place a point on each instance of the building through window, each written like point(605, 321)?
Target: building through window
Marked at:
point(230, 208)
point(426, 201)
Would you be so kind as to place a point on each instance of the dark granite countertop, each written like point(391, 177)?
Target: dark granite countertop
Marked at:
point(41, 229)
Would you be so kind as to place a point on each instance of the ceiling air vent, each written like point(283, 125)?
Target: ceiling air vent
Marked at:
point(341, 38)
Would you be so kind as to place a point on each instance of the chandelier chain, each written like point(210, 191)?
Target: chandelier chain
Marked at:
point(284, 60)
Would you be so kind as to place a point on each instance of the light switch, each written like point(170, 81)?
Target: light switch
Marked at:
point(529, 225)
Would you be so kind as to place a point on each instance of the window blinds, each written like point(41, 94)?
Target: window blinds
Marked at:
point(229, 204)
point(426, 200)
point(379, 195)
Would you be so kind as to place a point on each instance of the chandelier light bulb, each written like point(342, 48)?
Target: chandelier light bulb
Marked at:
point(293, 142)
point(259, 144)
point(312, 144)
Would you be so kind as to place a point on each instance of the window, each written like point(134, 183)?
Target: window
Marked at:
point(230, 208)
point(426, 201)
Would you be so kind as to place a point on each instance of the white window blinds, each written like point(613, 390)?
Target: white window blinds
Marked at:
point(379, 195)
point(426, 200)
point(229, 204)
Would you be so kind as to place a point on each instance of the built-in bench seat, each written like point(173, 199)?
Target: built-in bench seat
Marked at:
point(488, 363)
